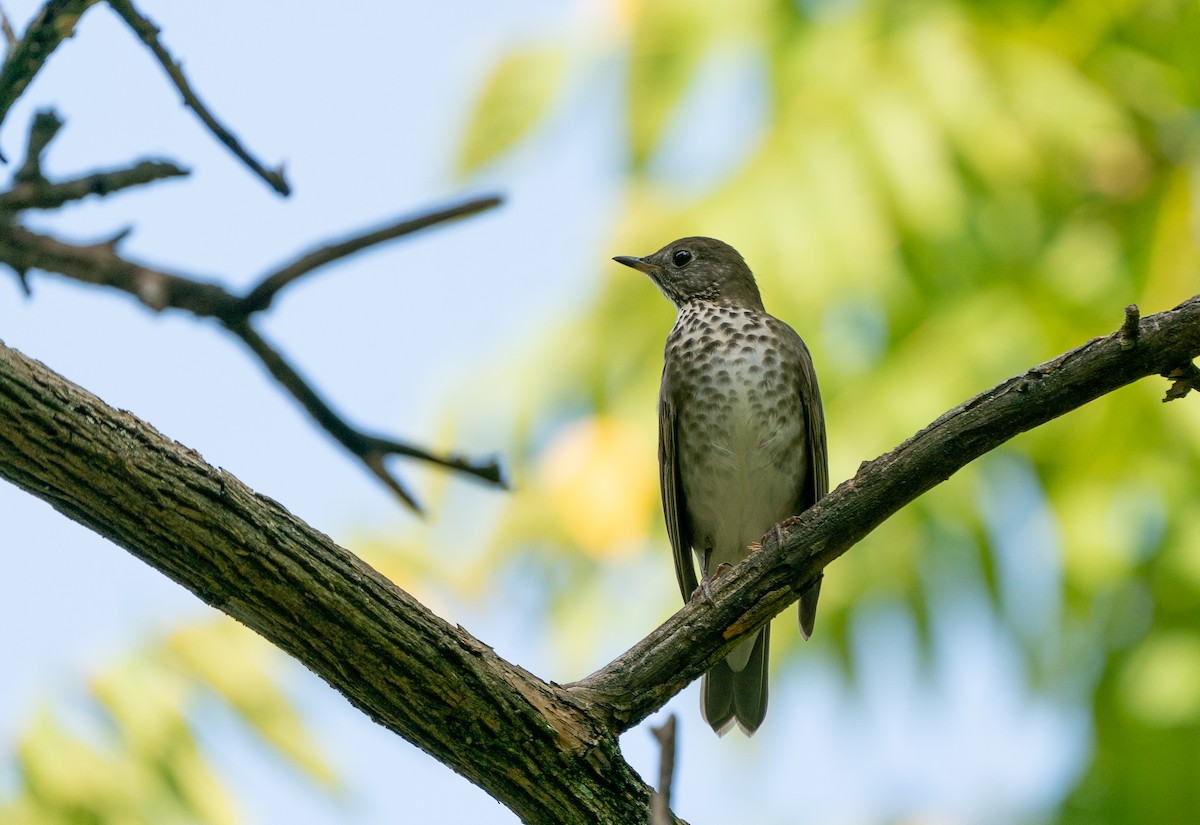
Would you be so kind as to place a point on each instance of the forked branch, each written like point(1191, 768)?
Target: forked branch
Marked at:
point(548, 752)
point(103, 264)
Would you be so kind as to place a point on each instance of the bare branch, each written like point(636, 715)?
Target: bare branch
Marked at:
point(660, 803)
point(489, 470)
point(371, 450)
point(148, 33)
point(264, 293)
point(99, 264)
point(31, 189)
point(1129, 329)
point(42, 130)
point(46, 195)
point(10, 36)
point(53, 24)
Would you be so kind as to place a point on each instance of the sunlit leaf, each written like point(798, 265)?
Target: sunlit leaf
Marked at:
point(515, 98)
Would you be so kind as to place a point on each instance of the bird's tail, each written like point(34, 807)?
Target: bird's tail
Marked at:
point(729, 696)
point(808, 607)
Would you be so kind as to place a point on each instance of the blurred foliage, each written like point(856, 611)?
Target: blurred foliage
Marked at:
point(133, 751)
point(937, 196)
point(518, 93)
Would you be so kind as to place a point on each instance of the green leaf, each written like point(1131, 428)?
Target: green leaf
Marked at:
point(518, 94)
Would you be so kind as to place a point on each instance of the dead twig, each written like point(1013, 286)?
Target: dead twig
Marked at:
point(25, 58)
point(660, 803)
point(46, 195)
point(148, 33)
point(261, 296)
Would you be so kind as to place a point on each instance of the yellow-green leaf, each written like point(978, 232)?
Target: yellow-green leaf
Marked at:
point(515, 99)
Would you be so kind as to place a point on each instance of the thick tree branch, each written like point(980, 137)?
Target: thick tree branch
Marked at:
point(548, 752)
point(527, 742)
point(642, 679)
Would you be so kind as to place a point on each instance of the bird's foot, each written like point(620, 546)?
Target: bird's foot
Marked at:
point(705, 588)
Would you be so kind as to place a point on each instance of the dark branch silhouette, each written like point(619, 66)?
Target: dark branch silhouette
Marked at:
point(53, 24)
point(660, 804)
point(102, 264)
point(56, 22)
point(261, 296)
point(148, 32)
point(31, 190)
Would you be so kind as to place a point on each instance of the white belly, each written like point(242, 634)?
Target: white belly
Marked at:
point(744, 481)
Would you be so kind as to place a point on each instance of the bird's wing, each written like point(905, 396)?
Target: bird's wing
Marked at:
point(814, 418)
point(674, 504)
point(816, 480)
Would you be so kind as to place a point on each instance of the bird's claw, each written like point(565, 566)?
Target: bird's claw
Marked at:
point(776, 531)
point(705, 587)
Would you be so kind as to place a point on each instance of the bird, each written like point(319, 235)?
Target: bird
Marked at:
point(742, 444)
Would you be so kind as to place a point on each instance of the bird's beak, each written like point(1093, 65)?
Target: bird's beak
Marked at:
point(637, 263)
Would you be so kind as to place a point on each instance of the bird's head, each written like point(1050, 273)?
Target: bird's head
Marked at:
point(699, 269)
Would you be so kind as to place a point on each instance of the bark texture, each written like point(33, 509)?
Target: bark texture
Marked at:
point(529, 744)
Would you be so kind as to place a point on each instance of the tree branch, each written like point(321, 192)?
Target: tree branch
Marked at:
point(56, 22)
point(31, 190)
point(524, 741)
point(660, 804)
point(371, 450)
point(46, 195)
point(24, 59)
point(42, 130)
point(261, 296)
point(148, 33)
point(548, 752)
point(102, 265)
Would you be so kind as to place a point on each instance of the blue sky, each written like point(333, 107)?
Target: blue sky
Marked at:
point(364, 108)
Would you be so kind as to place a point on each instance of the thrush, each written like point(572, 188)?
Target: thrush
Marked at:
point(741, 443)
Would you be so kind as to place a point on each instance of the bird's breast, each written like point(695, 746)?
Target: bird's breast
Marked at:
point(740, 428)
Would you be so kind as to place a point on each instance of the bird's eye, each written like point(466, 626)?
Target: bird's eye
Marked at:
point(682, 257)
